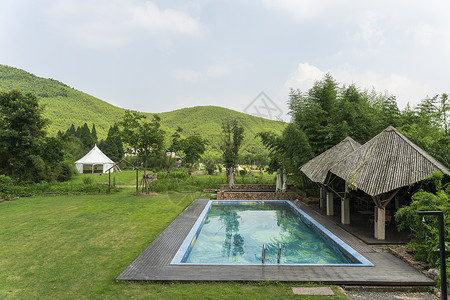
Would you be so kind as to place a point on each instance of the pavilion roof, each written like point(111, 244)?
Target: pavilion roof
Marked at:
point(317, 168)
point(385, 163)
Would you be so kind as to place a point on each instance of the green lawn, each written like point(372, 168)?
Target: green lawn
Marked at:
point(197, 183)
point(73, 247)
point(124, 178)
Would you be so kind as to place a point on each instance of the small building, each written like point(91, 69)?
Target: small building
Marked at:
point(380, 168)
point(177, 158)
point(95, 161)
point(375, 174)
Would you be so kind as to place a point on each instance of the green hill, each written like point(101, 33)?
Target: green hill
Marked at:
point(64, 106)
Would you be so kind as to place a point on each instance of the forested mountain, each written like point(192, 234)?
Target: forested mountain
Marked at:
point(65, 106)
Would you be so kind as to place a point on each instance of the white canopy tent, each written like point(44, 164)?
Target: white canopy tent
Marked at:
point(94, 162)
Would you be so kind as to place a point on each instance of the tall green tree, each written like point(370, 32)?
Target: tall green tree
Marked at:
point(86, 137)
point(143, 137)
point(25, 152)
point(328, 113)
point(427, 126)
point(71, 130)
point(192, 148)
point(174, 146)
point(315, 112)
point(233, 135)
point(94, 134)
point(112, 146)
point(288, 151)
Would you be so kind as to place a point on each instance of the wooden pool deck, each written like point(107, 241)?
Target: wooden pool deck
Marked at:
point(153, 263)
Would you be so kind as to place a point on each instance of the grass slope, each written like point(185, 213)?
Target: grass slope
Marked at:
point(65, 106)
point(73, 247)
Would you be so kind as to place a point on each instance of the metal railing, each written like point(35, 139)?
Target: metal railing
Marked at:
point(279, 253)
point(263, 255)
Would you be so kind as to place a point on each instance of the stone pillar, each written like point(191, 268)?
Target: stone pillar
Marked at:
point(330, 205)
point(380, 223)
point(279, 179)
point(345, 211)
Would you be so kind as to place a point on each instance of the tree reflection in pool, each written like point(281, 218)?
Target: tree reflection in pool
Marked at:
point(235, 233)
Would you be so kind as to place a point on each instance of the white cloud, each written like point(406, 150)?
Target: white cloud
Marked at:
point(372, 22)
point(150, 17)
point(304, 77)
point(103, 23)
point(405, 89)
point(213, 71)
point(302, 9)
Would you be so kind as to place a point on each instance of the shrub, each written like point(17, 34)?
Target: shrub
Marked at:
point(6, 186)
point(88, 180)
point(425, 235)
point(65, 171)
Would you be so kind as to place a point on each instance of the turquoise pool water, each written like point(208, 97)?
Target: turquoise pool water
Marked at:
point(234, 232)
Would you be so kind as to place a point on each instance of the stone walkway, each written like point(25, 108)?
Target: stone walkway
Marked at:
point(361, 295)
point(154, 262)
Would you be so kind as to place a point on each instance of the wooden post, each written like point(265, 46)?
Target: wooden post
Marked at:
point(137, 181)
point(321, 197)
point(109, 181)
point(330, 204)
point(345, 211)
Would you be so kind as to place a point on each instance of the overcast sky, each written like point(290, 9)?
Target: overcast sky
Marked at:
point(157, 56)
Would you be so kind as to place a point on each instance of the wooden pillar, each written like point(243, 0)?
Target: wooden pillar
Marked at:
point(322, 197)
point(137, 181)
point(109, 181)
point(397, 203)
point(330, 205)
point(345, 211)
point(380, 223)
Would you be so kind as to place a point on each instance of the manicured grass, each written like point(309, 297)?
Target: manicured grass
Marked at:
point(123, 178)
point(73, 247)
point(198, 182)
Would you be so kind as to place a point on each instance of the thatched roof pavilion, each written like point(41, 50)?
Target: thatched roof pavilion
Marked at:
point(317, 168)
point(381, 167)
point(385, 163)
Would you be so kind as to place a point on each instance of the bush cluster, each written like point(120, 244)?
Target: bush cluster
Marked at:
point(199, 183)
point(9, 189)
point(425, 235)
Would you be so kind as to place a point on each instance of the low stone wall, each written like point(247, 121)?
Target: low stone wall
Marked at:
point(249, 187)
point(225, 195)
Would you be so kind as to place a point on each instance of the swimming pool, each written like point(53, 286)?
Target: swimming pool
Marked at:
point(234, 232)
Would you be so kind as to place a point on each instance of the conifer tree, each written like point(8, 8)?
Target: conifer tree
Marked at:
point(94, 134)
